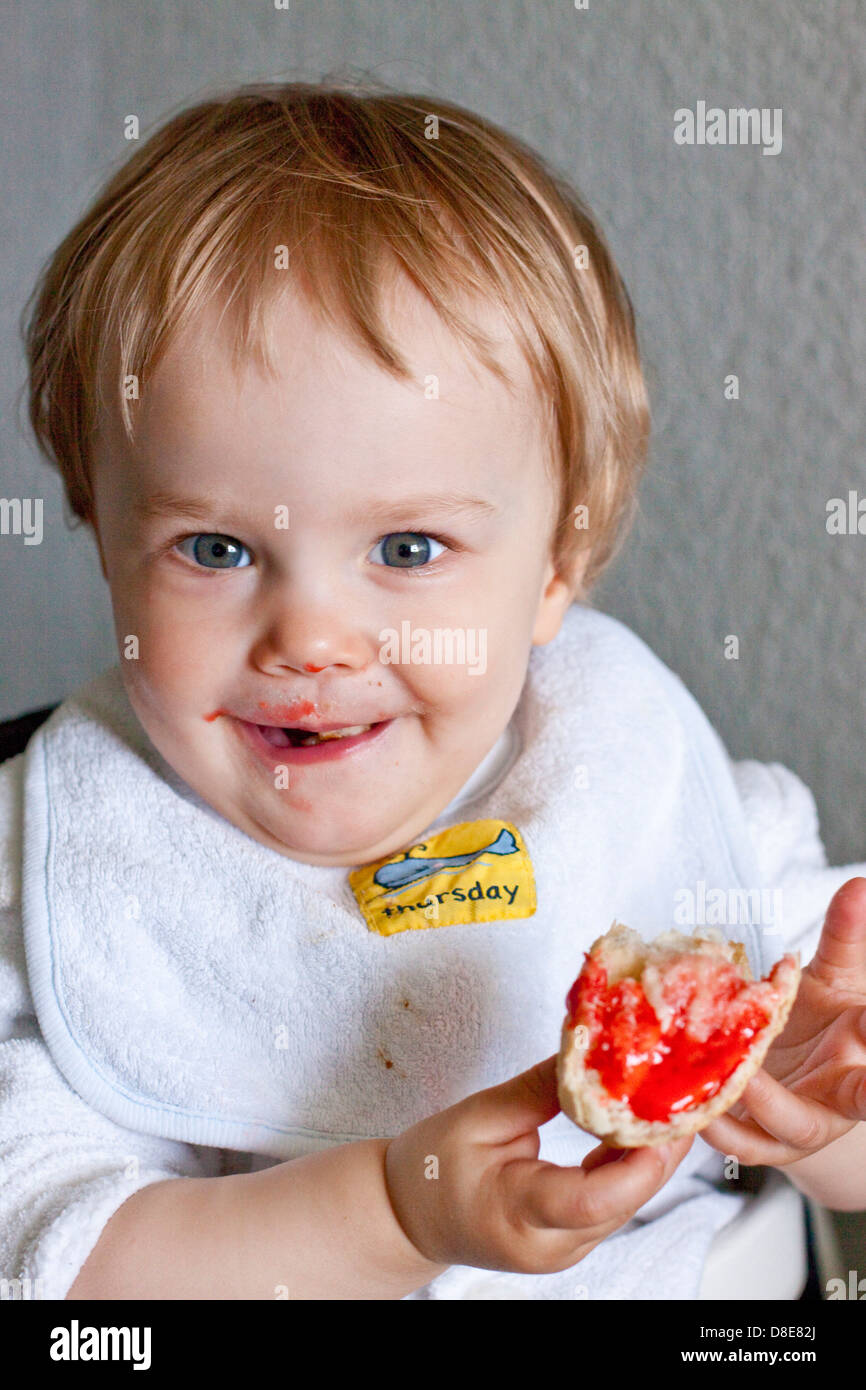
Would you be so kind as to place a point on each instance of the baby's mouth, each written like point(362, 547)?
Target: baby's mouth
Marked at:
point(305, 738)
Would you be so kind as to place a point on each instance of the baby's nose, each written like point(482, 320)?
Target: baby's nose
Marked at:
point(301, 638)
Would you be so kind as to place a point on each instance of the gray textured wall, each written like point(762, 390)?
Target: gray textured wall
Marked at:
point(737, 262)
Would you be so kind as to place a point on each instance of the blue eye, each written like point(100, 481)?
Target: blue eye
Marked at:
point(222, 551)
point(407, 549)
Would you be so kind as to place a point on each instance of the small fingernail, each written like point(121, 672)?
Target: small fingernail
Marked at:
point(664, 1152)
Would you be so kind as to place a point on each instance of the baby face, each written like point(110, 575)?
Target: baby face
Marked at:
point(279, 550)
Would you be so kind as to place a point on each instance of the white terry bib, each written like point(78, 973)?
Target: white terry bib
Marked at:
point(193, 983)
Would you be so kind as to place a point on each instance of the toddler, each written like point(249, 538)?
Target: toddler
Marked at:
point(346, 386)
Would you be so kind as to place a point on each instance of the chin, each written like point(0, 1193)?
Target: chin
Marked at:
point(321, 837)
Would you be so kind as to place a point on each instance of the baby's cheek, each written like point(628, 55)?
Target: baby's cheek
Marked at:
point(165, 666)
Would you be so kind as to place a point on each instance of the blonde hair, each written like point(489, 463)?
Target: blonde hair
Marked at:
point(352, 183)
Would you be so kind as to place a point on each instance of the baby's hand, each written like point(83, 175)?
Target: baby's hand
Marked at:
point(812, 1087)
point(488, 1201)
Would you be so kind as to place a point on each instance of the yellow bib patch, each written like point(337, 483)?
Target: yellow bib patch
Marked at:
point(479, 871)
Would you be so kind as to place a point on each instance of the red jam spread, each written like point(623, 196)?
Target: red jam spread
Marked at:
point(661, 1073)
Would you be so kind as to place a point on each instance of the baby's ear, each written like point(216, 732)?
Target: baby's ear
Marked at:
point(555, 600)
point(563, 587)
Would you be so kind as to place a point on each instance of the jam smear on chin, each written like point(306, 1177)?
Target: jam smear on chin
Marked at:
point(660, 1074)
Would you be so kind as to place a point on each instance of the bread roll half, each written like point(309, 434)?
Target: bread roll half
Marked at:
point(653, 1031)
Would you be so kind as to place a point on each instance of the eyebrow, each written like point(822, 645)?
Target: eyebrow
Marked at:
point(449, 503)
point(165, 503)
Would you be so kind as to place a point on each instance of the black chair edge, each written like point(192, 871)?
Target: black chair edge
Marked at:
point(16, 733)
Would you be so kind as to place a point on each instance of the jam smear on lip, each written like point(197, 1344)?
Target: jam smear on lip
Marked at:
point(284, 714)
point(661, 1073)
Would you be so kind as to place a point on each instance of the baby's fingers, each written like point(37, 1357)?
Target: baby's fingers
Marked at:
point(783, 1126)
point(605, 1192)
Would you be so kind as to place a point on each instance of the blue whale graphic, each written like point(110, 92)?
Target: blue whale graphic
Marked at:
point(409, 870)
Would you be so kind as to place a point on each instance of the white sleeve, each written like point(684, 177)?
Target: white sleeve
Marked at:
point(783, 822)
point(64, 1168)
